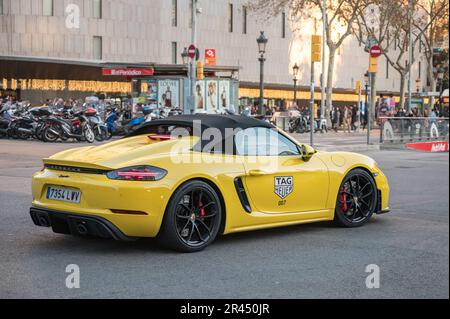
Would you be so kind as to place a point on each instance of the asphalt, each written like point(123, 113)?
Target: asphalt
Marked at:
point(410, 245)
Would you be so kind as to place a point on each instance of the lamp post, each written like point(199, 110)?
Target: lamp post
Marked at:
point(185, 56)
point(418, 85)
point(262, 42)
point(367, 111)
point(295, 69)
point(185, 59)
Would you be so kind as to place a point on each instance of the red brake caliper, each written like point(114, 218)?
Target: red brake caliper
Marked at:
point(343, 200)
point(202, 210)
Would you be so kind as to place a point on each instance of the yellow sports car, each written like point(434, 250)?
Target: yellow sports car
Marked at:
point(188, 178)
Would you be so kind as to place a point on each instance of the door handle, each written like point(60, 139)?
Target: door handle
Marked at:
point(257, 172)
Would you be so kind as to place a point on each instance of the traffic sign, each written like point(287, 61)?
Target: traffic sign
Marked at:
point(375, 51)
point(192, 51)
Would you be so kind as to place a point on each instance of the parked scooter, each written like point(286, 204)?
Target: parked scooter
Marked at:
point(99, 127)
point(78, 128)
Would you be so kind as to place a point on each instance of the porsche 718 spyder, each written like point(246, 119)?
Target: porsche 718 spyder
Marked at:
point(186, 179)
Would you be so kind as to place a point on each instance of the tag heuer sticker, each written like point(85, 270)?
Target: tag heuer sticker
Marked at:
point(283, 186)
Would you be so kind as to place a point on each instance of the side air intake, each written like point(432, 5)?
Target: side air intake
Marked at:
point(242, 194)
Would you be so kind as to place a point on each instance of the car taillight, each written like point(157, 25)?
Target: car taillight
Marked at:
point(138, 173)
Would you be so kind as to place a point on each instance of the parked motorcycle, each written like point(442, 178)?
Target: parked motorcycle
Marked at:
point(77, 128)
point(99, 127)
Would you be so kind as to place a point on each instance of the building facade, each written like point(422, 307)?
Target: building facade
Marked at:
point(157, 31)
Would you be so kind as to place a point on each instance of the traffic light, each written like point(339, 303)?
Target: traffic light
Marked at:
point(316, 48)
point(358, 87)
point(200, 71)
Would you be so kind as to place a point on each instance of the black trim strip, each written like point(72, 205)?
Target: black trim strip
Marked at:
point(73, 169)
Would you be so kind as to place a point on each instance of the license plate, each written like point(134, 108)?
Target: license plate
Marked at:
point(63, 194)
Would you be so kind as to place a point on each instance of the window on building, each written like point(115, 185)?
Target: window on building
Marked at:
point(174, 53)
point(230, 17)
point(420, 45)
point(174, 13)
point(283, 25)
point(47, 8)
point(97, 9)
point(97, 48)
point(244, 20)
point(191, 18)
point(420, 69)
point(1, 7)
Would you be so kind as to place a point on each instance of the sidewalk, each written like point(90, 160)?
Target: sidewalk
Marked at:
point(340, 141)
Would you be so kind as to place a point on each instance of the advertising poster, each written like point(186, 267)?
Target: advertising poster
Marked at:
point(169, 93)
point(224, 94)
point(212, 100)
point(200, 106)
point(152, 90)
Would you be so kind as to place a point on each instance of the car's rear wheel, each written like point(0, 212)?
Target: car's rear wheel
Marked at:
point(192, 218)
point(357, 199)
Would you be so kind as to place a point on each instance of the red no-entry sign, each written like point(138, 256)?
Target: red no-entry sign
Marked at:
point(192, 51)
point(375, 51)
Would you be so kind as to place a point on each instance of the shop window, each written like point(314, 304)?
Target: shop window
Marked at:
point(174, 13)
point(230, 17)
point(174, 53)
point(47, 8)
point(97, 9)
point(97, 48)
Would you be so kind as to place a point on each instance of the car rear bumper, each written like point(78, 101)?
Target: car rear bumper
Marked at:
point(77, 224)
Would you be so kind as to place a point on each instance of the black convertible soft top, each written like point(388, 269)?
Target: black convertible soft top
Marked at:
point(228, 125)
point(221, 122)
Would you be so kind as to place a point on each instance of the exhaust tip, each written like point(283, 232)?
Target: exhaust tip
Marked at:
point(43, 222)
point(82, 229)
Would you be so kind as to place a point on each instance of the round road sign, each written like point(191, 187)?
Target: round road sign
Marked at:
point(375, 51)
point(192, 51)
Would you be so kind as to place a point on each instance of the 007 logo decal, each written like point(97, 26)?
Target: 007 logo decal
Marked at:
point(283, 186)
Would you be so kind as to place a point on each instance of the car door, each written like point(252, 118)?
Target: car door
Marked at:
point(277, 179)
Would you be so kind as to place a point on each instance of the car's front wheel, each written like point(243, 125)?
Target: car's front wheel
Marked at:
point(192, 218)
point(357, 199)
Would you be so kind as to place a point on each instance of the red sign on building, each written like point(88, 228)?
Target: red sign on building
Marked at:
point(128, 72)
point(210, 56)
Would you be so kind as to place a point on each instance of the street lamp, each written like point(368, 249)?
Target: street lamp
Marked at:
point(366, 108)
point(418, 85)
point(295, 69)
point(262, 43)
point(185, 56)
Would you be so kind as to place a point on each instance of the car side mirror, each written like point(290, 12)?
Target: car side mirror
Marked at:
point(307, 152)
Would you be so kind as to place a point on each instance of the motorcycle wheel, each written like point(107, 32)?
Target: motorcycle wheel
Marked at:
point(48, 136)
point(99, 133)
point(88, 133)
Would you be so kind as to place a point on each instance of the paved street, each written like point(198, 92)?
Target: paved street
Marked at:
point(410, 245)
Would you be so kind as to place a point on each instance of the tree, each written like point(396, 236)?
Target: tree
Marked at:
point(436, 12)
point(389, 23)
point(336, 14)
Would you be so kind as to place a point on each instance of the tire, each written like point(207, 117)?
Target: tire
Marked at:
point(356, 200)
point(48, 136)
point(88, 133)
point(100, 133)
point(192, 218)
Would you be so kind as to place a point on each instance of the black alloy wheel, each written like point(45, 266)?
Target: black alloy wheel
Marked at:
point(357, 199)
point(192, 219)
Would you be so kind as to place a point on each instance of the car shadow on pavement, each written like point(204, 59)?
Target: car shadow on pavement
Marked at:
point(72, 244)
